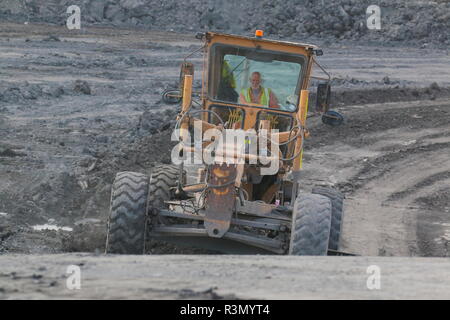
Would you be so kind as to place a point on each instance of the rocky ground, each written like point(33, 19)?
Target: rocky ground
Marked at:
point(417, 21)
point(75, 108)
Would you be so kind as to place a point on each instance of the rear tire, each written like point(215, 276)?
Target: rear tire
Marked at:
point(337, 213)
point(163, 181)
point(311, 223)
point(128, 214)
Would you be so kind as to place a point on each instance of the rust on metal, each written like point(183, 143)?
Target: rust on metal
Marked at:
point(220, 199)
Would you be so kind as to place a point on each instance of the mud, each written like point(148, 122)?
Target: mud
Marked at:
point(76, 107)
point(392, 164)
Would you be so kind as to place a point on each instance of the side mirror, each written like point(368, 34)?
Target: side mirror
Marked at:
point(323, 97)
point(332, 118)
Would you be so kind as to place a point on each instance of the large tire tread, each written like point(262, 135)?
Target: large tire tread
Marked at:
point(311, 225)
point(128, 214)
point(162, 183)
point(337, 213)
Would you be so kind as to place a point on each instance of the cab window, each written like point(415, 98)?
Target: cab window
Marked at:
point(256, 77)
point(276, 120)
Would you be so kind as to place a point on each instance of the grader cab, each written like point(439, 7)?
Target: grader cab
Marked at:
point(243, 142)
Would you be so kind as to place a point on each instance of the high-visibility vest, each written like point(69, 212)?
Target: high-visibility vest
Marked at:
point(265, 97)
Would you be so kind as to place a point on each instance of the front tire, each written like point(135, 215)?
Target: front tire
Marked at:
point(128, 214)
point(311, 223)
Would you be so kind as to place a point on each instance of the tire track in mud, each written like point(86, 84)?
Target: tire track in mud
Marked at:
point(395, 171)
point(379, 166)
point(429, 181)
point(401, 225)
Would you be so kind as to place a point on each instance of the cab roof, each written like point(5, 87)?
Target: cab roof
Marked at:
point(210, 35)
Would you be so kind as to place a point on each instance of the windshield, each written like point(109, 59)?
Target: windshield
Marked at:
point(255, 77)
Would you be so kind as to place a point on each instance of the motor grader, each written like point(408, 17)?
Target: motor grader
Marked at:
point(235, 206)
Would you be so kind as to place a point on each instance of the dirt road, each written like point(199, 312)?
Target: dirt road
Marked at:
point(392, 161)
point(223, 277)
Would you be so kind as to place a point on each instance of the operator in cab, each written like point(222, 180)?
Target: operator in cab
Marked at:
point(258, 94)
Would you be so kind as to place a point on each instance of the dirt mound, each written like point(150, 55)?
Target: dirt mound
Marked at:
point(362, 92)
point(331, 19)
point(391, 94)
point(154, 122)
point(26, 92)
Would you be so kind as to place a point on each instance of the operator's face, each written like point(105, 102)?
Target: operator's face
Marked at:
point(255, 80)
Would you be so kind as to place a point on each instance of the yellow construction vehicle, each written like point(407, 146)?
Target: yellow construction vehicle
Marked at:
point(246, 197)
